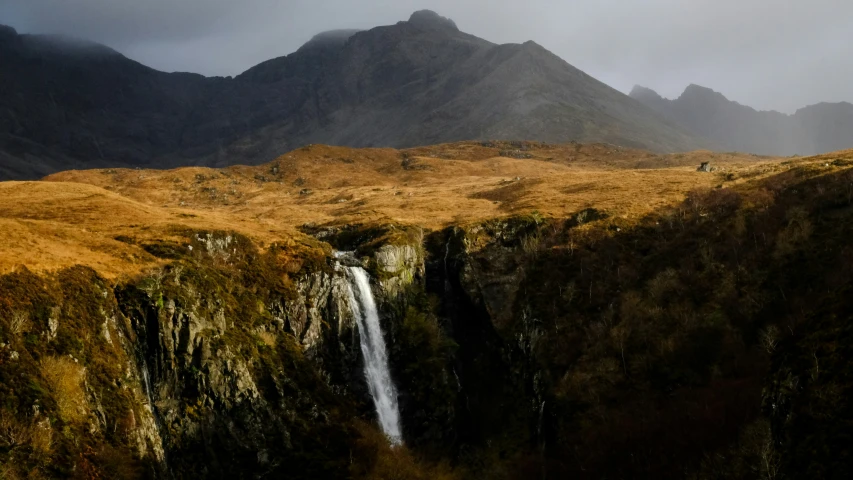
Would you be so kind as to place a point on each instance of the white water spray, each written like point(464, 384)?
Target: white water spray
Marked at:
point(373, 350)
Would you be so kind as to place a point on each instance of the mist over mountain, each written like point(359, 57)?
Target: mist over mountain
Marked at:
point(820, 128)
point(422, 81)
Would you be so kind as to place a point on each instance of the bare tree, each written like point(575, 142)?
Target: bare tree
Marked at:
point(20, 322)
point(770, 338)
point(770, 460)
point(12, 432)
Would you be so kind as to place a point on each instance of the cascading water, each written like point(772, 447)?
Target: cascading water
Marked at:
point(376, 371)
point(159, 450)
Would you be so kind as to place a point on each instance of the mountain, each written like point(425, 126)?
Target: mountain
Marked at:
point(68, 103)
point(811, 130)
point(74, 104)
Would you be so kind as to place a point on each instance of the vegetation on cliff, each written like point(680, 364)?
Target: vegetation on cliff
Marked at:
point(189, 369)
point(707, 338)
point(704, 339)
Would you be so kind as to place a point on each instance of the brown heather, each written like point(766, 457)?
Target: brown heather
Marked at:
point(104, 218)
point(65, 379)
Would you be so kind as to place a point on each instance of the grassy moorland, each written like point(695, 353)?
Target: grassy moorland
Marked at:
point(99, 218)
point(668, 323)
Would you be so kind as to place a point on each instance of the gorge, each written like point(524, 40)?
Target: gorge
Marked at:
point(703, 336)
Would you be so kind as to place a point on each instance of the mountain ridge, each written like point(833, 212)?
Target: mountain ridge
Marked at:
point(417, 82)
point(813, 129)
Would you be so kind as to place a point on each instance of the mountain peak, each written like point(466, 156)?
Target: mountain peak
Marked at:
point(700, 92)
point(430, 19)
point(7, 32)
point(641, 92)
point(71, 46)
point(330, 39)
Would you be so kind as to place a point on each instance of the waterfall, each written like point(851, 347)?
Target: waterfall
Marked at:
point(146, 382)
point(159, 450)
point(376, 371)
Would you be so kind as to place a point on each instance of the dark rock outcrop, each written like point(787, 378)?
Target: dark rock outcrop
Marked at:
point(430, 19)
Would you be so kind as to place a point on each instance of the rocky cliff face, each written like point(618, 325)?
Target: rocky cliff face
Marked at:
point(229, 363)
point(223, 364)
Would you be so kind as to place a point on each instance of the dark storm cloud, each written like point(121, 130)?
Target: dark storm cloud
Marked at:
point(765, 53)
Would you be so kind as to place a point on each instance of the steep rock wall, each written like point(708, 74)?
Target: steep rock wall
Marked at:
point(225, 363)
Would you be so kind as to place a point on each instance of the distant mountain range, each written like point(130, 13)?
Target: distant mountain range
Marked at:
point(71, 104)
point(68, 103)
point(820, 128)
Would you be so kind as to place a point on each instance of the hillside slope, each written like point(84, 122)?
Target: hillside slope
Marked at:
point(651, 323)
point(815, 129)
point(74, 217)
point(73, 104)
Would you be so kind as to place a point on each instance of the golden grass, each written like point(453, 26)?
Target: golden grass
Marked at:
point(65, 378)
point(268, 338)
point(81, 217)
point(41, 437)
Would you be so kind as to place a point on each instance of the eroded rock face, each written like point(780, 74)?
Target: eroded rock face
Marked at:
point(212, 342)
point(493, 267)
point(220, 346)
point(304, 315)
point(477, 272)
point(221, 364)
point(399, 266)
point(232, 366)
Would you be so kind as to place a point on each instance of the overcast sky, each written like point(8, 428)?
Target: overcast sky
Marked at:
point(769, 54)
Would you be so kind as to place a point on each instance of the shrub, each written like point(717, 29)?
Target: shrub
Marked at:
point(530, 243)
point(16, 433)
point(663, 283)
point(752, 456)
point(20, 323)
point(384, 462)
point(13, 433)
point(769, 338)
point(268, 338)
point(8, 471)
point(797, 232)
point(41, 437)
point(65, 380)
point(713, 201)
